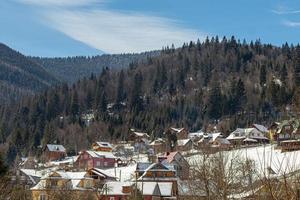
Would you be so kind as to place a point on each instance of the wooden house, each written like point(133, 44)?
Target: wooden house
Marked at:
point(157, 190)
point(184, 145)
point(95, 159)
point(102, 146)
point(158, 172)
point(173, 135)
point(116, 191)
point(139, 140)
point(288, 130)
point(242, 135)
point(54, 152)
point(178, 162)
point(158, 145)
point(181, 133)
point(57, 184)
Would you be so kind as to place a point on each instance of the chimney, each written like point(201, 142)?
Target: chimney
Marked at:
point(126, 189)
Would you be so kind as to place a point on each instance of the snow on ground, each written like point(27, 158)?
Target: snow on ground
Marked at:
point(124, 174)
point(265, 158)
point(127, 173)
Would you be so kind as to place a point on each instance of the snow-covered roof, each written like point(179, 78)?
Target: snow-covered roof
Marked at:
point(158, 141)
point(67, 160)
point(199, 134)
point(177, 129)
point(102, 173)
point(123, 173)
point(104, 144)
point(56, 147)
point(261, 128)
point(242, 133)
point(183, 142)
point(250, 140)
point(163, 167)
point(140, 134)
point(99, 154)
point(142, 166)
point(215, 136)
point(74, 177)
point(223, 141)
point(116, 188)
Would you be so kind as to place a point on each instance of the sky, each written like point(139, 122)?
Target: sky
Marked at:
point(59, 28)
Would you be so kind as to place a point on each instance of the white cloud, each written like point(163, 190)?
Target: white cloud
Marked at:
point(59, 3)
point(111, 31)
point(119, 32)
point(285, 12)
point(291, 23)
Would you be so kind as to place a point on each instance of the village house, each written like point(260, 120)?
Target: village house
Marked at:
point(100, 176)
point(178, 162)
point(54, 152)
point(247, 136)
point(95, 159)
point(116, 191)
point(158, 145)
point(181, 133)
point(157, 190)
point(140, 140)
point(173, 135)
point(57, 184)
point(26, 177)
point(158, 172)
point(196, 136)
point(28, 163)
point(288, 130)
point(218, 141)
point(102, 146)
point(184, 145)
point(273, 131)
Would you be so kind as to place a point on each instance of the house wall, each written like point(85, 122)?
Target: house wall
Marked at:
point(81, 194)
point(188, 146)
point(182, 134)
point(53, 155)
point(85, 161)
point(116, 197)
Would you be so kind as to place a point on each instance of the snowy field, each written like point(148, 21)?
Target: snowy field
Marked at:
point(265, 158)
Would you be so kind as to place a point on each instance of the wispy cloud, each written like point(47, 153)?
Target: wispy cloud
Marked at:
point(291, 23)
point(113, 31)
point(285, 12)
point(117, 32)
point(59, 3)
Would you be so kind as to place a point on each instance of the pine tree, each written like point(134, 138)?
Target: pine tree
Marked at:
point(263, 75)
point(120, 89)
point(215, 102)
point(136, 97)
point(297, 66)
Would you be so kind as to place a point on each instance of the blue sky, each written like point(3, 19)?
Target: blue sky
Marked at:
point(89, 27)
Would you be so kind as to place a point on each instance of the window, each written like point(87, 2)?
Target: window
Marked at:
point(111, 198)
point(42, 197)
point(98, 163)
point(105, 164)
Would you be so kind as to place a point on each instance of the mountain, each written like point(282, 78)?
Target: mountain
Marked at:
point(225, 83)
point(20, 75)
point(71, 69)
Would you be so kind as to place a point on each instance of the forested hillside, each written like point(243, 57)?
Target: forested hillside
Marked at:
point(71, 69)
point(222, 81)
point(20, 76)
